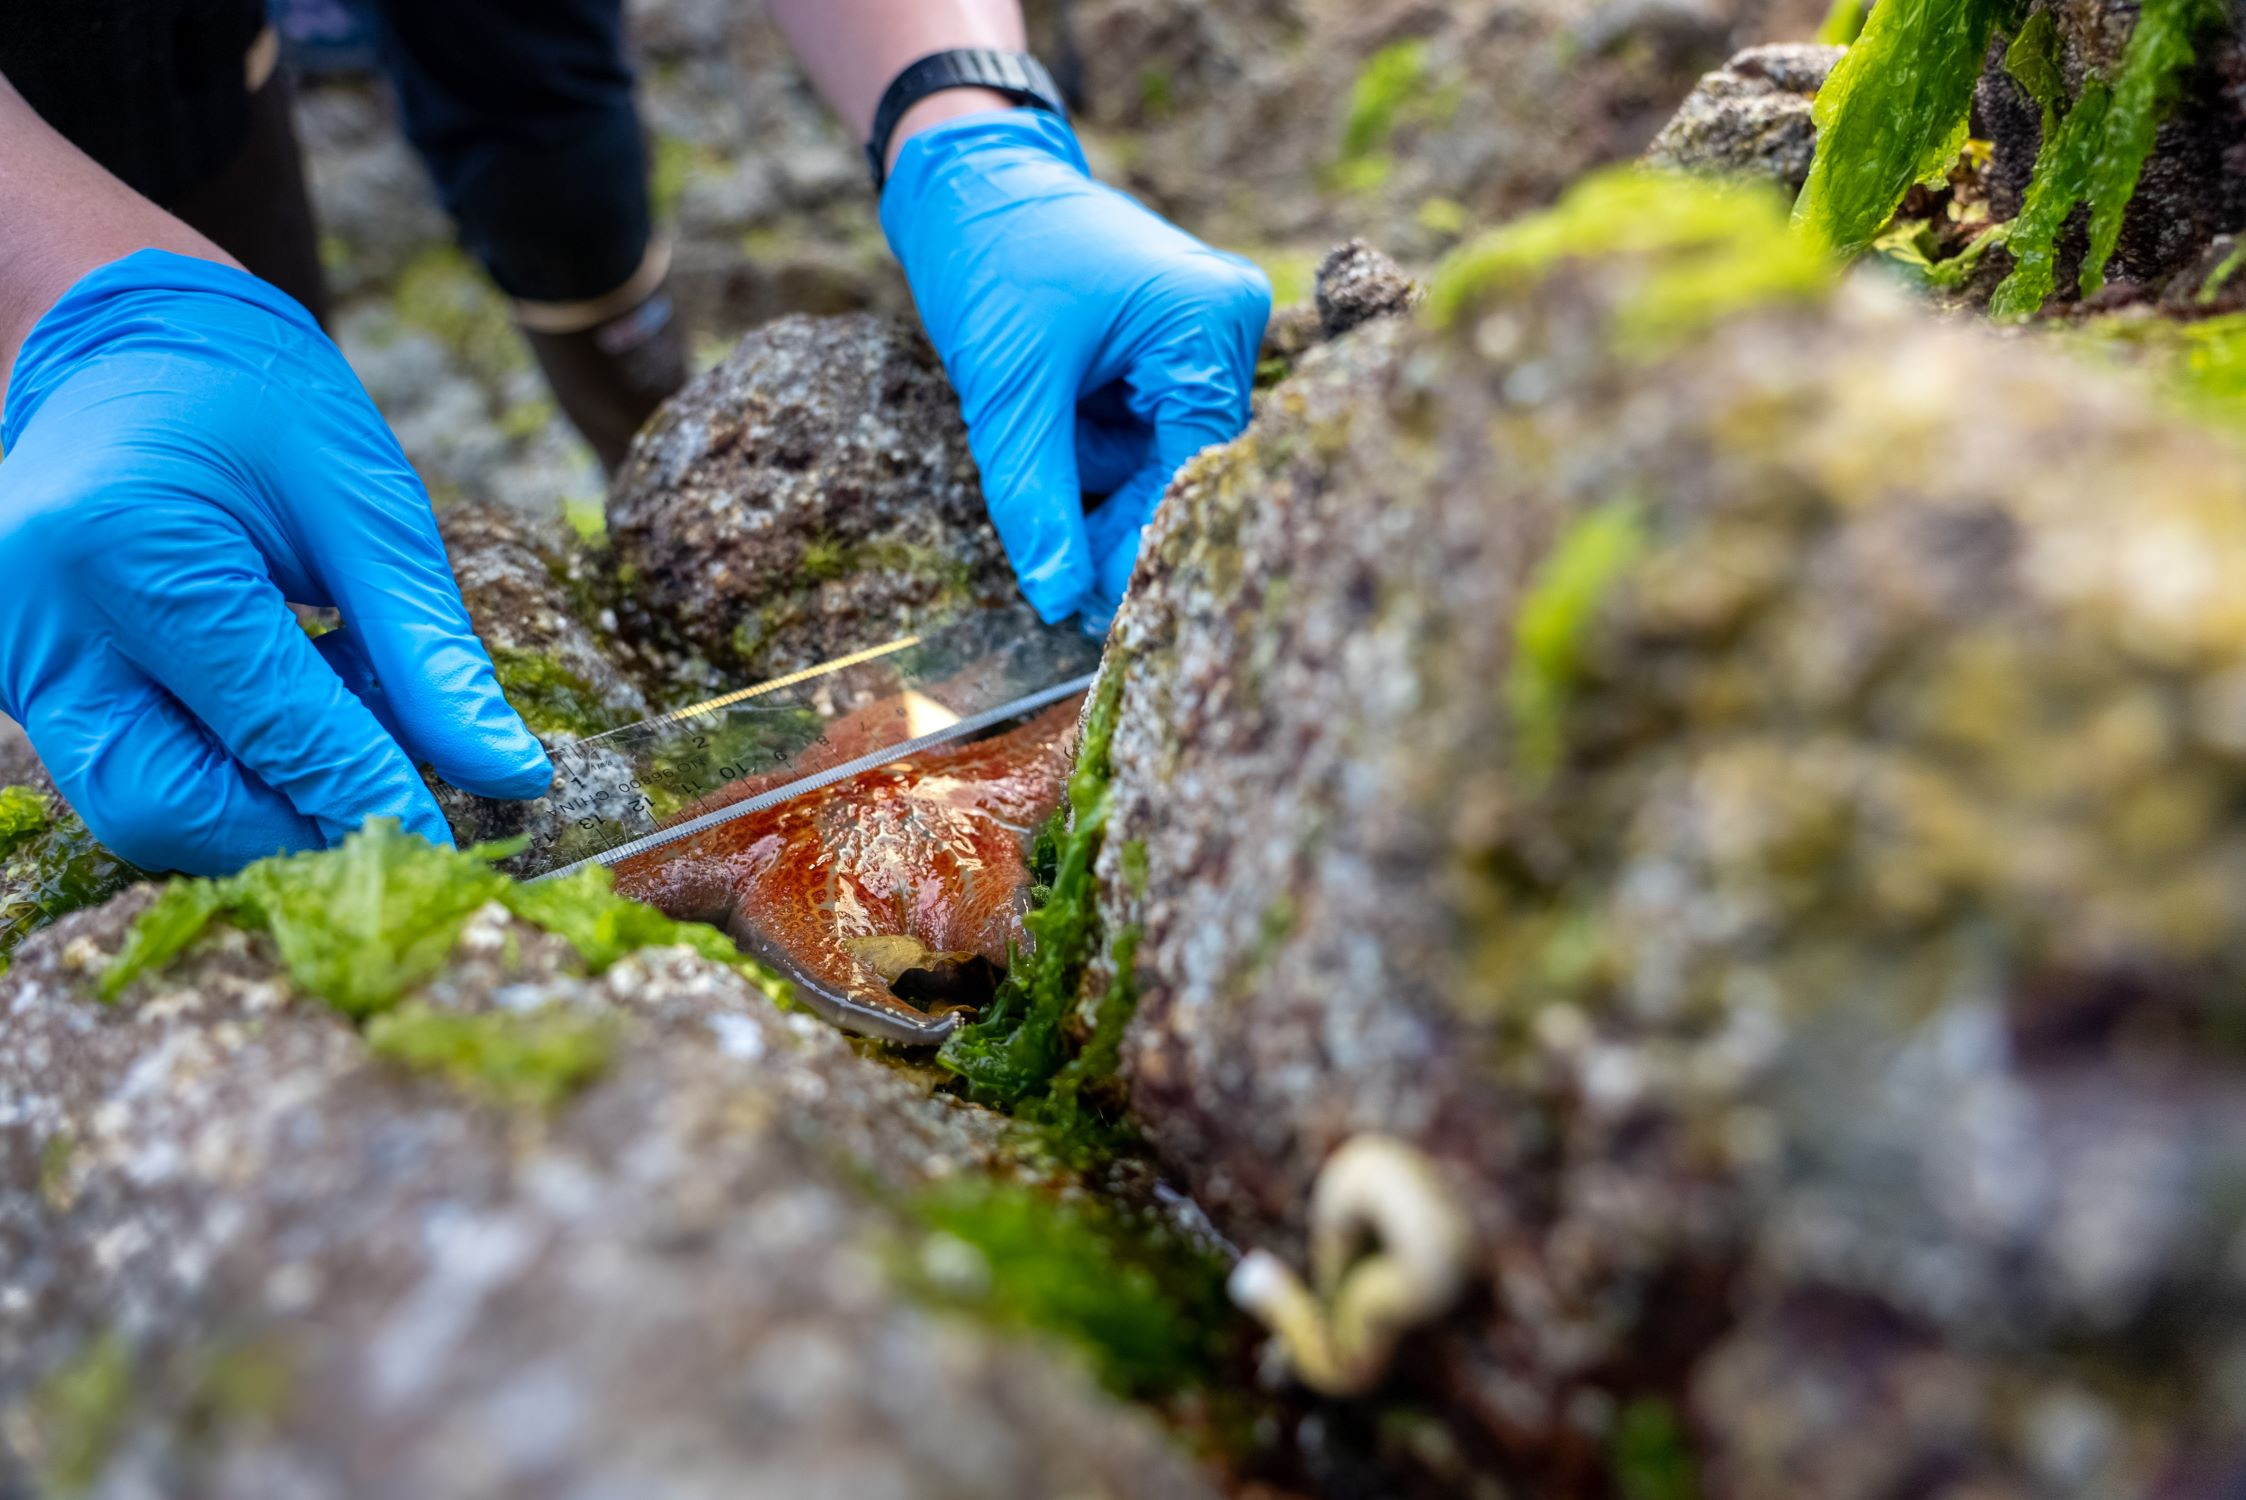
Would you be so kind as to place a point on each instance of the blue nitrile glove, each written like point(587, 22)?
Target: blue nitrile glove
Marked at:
point(1094, 346)
point(185, 450)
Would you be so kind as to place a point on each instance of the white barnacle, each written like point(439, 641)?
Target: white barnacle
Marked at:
point(1390, 1251)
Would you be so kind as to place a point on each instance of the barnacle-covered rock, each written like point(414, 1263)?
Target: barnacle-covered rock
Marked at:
point(544, 605)
point(812, 494)
point(1357, 284)
point(534, 596)
point(1700, 756)
point(533, 1229)
point(1751, 117)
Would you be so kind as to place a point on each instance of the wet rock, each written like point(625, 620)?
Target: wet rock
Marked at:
point(536, 599)
point(1357, 284)
point(243, 1252)
point(1721, 785)
point(810, 495)
point(50, 863)
point(544, 606)
point(1283, 125)
point(1751, 118)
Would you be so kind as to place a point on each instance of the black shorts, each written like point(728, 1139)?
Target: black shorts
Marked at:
point(521, 109)
point(154, 90)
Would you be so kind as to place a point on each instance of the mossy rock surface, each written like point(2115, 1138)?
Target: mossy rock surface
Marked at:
point(533, 1229)
point(1748, 783)
point(809, 496)
point(543, 603)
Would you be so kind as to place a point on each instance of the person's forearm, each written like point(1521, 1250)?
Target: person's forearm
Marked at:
point(853, 48)
point(61, 216)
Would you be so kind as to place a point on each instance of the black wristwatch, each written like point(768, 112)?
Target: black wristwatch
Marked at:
point(1017, 75)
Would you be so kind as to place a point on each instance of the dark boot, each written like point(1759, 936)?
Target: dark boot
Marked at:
point(608, 379)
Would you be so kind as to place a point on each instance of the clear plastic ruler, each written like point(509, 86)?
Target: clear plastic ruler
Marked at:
point(635, 789)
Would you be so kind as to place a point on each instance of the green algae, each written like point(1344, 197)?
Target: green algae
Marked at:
point(1134, 866)
point(56, 1154)
point(1894, 113)
point(1650, 1456)
point(1395, 88)
point(357, 925)
point(2217, 279)
point(583, 909)
point(80, 1412)
point(50, 867)
point(674, 162)
point(1157, 94)
point(535, 1059)
point(2097, 154)
point(1708, 250)
point(1913, 248)
point(444, 294)
point(1082, 1116)
point(233, 1383)
point(361, 924)
point(2033, 61)
point(2062, 176)
point(2199, 365)
point(552, 699)
point(826, 558)
point(588, 519)
point(1393, 79)
point(1444, 216)
point(1843, 23)
point(1293, 274)
point(1021, 1042)
point(1147, 1308)
point(23, 814)
point(1555, 617)
point(2160, 48)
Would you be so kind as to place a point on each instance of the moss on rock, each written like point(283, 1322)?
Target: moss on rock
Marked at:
point(1011, 1054)
point(79, 1413)
point(1897, 781)
point(1691, 251)
point(706, 1218)
point(1145, 1307)
point(551, 698)
point(537, 1058)
point(811, 495)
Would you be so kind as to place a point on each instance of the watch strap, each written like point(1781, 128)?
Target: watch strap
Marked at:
point(1017, 75)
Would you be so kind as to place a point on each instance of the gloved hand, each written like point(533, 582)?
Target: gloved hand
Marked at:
point(1094, 346)
point(185, 450)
